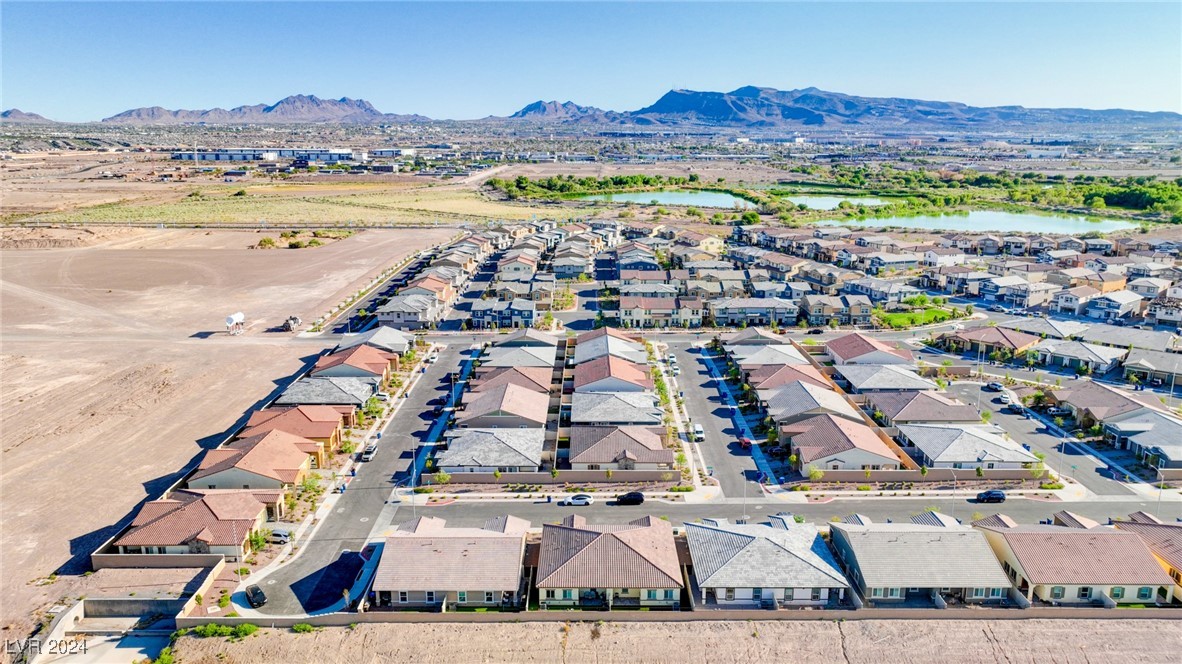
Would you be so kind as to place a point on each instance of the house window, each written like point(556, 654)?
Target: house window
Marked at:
point(488, 597)
point(1085, 592)
point(462, 597)
point(652, 594)
point(730, 594)
point(430, 596)
point(566, 593)
point(1057, 592)
point(996, 592)
point(402, 597)
point(876, 592)
point(978, 593)
point(1117, 592)
point(1144, 593)
point(815, 595)
point(757, 594)
point(895, 592)
point(549, 593)
point(669, 595)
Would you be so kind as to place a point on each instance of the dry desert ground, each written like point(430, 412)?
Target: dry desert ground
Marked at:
point(709, 642)
point(115, 372)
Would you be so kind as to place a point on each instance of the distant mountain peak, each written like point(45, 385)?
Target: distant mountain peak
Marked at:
point(294, 109)
point(553, 110)
point(17, 116)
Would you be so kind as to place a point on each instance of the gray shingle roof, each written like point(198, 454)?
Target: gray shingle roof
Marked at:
point(954, 443)
point(758, 556)
point(609, 345)
point(615, 408)
point(798, 398)
point(494, 448)
point(324, 390)
point(514, 356)
point(883, 377)
point(936, 556)
point(384, 337)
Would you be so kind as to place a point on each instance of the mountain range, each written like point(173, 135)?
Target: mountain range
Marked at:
point(17, 116)
point(746, 107)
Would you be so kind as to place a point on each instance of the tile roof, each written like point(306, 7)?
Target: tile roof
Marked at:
point(537, 379)
point(328, 390)
point(424, 555)
point(921, 406)
point(1080, 350)
point(309, 421)
point(997, 336)
point(729, 555)
point(597, 444)
point(363, 357)
point(1163, 539)
point(526, 337)
point(1071, 556)
point(1103, 401)
point(958, 443)
point(1054, 328)
point(852, 346)
point(936, 556)
point(274, 455)
point(883, 377)
point(217, 519)
point(823, 436)
point(601, 368)
point(507, 399)
point(753, 356)
point(639, 554)
point(615, 407)
point(798, 398)
point(493, 448)
point(996, 521)
point(771, 376)
point(515, 356)
point(383, 337)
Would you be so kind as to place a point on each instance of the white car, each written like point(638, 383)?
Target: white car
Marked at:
point(577, 500)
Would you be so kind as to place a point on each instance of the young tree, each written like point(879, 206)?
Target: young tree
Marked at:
point(815, 474)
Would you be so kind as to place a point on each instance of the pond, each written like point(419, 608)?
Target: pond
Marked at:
point(815, 202)
point(979, 221)
point(708, 199)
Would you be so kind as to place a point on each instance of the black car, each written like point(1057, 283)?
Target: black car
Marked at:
point(631, 498)
point(255, 596)
point(992, 496)
point(816, 330)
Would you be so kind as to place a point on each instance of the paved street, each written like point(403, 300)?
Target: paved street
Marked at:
point(704, 404)
point(329, 561)
point(1088, 471)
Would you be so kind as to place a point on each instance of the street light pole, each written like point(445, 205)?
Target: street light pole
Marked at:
point(1161, 480)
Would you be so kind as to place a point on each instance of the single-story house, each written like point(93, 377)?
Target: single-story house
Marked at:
point(800, 400)
point(1079, 355)
point(319, 423)
point(328, 391)
point(629, 565)
point(866, 378)
point(193, 521)
point(890, 563)
point(619, 448)
point(1154, 436)
point(858, 348)
point(479, 450)
point(612, 374)
point(1163, 539)
point(427, 565)
point(829, 442)
point(1061, 565)
point(359, 361)
point(608, 341)
point(505, 406)
point(771, 376)
point(537, 379)
point(272, 460)
point(963, 446)
point(382, 337)
point(987, 340)
point(615, 408)
point(751, 565)
point(918, 407)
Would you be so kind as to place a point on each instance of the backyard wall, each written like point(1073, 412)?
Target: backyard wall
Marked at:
point(564, 477)
point(934, 475)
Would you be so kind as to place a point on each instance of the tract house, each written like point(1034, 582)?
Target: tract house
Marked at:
point(492, 450)
point(426, 565)
point(505, 406)
point(322, 424)
point(272, 460)
point(360, 361)
point(619, 448)
point(613, 566)
point(199, 522)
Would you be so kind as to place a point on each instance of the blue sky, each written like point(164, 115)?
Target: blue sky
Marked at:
point(85, 61)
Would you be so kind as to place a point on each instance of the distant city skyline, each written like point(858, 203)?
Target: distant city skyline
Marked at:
point(90, 60)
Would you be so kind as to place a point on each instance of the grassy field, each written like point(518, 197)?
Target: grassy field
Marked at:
point(904, 319)
point(369, 205)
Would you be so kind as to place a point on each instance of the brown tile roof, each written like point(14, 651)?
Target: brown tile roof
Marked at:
point(772, 376)
point(592, 444)
point(537, 379)
point(609, 366)
point(639, 554)
point(218, 519)
point(276, 455)
point(606, 331)
point(424, 555)
point(1103, 401)
point(824, 435)
point(1163, 539)
point(508, 398)
point(366, 358)
point(651, 303)
point(921, 406)
point(855, 345)
point(1074, 556)
point(996, 521)
point(306, 421)
point(997, 336)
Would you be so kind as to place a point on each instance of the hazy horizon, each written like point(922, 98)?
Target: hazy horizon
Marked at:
point(473, 60)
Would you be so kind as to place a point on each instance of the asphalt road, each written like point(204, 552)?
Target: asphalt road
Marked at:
point(1088, 470)
point(704, 404)
point(329, 561)
point(349, 322)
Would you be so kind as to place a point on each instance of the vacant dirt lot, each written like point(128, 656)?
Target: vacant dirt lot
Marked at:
point(851, 642)
point(115, 372)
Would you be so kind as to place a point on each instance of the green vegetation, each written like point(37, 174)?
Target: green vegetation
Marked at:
point(900, 320)
point(211, 630)
point(303, 628)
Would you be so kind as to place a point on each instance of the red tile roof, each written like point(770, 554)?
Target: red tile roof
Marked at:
point(609, 366)
point(217, 519)
point(852, 346)
point(825, 435)
point(366, 358)
point(639, 554)
point(275, 455)
point(537, 379)
point(1073, 556)
point(306, 421)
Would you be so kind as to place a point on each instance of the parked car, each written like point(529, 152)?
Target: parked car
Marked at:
point(1004, 398)
point(631, 498)
point(1057, 411)
point(745, 443)
point(579, 499)
point(432, 359)
point(369, 452)
point(382, 396)
point(998, 309)
point(994, 387)
point(1015, 407)
point(255, 596)
point(991, 496)
point(699, 433)
point(280, 536)
point(816, 330)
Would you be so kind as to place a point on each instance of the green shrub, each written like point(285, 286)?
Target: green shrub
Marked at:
point(863, 487)
point(244, 630)
point(210, 630)
point(681, 488)
point(424, 489)
point(224, 601)
point(302, 628)
point(1050, 486)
